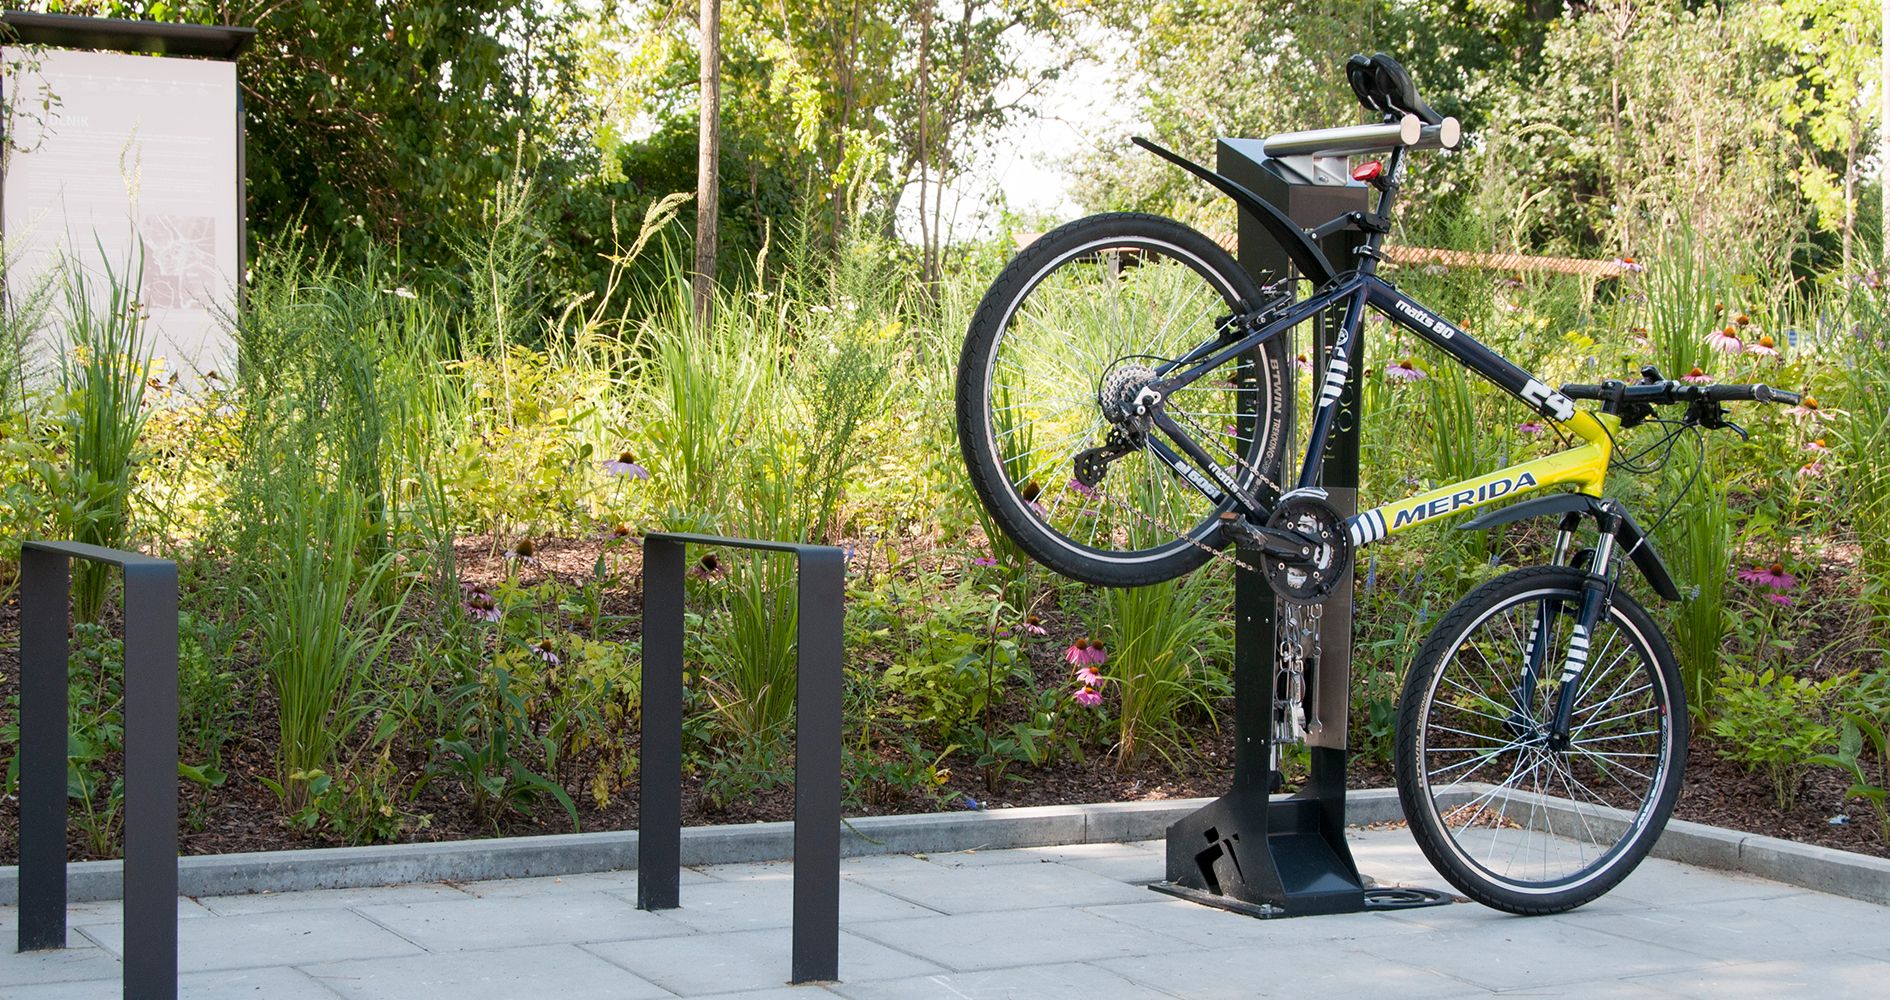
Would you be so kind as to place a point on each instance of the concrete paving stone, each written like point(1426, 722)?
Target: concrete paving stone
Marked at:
point(565, 971)
point(1070, 981)
point(884, 864)
point(1000, 887)
point(1207, 927)
point(328, 899)
point(275, 983)
point(755, 904)
point(1595, 989)
point(80, 962)
point(1067, 854)
point(1116, 861)
point(806, 991)
point(515, 921)
point(712, 964)
point(1741, 929)
point(969, 941)
point(1391, 857)
point(1245, 974)
point(256, 940)
point(748, 872)
point(102, 912)
point(1502, 952)
point(1671, 883)
point(1805, 976)
point(623, 881)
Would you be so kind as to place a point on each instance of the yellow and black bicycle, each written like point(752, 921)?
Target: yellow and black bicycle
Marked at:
point(1124, 407)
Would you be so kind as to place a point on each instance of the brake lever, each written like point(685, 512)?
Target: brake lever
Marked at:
point(1736, 429)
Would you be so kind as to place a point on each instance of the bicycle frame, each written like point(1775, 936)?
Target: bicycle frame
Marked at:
point(1583, 466)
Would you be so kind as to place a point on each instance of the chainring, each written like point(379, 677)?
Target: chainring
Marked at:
point(1310, 580)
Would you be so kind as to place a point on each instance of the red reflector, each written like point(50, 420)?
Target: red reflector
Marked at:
point(1368, 171)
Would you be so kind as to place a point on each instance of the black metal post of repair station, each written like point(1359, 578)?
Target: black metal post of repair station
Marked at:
point(1249, 851)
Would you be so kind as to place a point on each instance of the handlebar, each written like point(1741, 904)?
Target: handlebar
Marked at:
point(1409, 132)
point(1670, 391)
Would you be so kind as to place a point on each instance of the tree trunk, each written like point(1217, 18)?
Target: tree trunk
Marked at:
point(708, 154)
point(927, 238)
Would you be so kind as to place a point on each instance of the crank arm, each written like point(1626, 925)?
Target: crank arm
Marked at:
point(1286, 546)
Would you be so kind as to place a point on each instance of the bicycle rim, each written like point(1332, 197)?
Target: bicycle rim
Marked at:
point(1510, 811)
point(1100, 308)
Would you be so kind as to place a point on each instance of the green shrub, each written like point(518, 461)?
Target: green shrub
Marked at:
point(1774, 723)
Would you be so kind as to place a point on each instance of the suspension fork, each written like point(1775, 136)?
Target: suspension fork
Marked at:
point(1536, 650)
point(1596, 589)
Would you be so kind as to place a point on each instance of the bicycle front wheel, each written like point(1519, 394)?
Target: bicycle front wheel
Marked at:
point(1515, 818)
point(1091, 307)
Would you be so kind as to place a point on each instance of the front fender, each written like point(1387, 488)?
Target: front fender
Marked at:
point(1626, 533)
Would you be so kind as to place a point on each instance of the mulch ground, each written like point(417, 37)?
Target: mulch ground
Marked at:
point(244, 815)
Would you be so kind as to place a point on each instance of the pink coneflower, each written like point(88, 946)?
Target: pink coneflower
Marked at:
point(1726, 340)
point(709, 567)
point(1082, 490)
point(1764, 347)
point(1231, 431)
point(1086, 653)
point(1783, 600)
point(1088, 697)
point(480, 606)
point(1696, 376)
point(1818, 446)
point(1034, 626)
point(1812, 469)
point(1629, 265)
point(522, 551)
point(1773, 576)
point(1088, 677)
point(1532, 427)
point(625, 465)
point(1303, 364)
point(984, 561)
point(1405, 371)
point(547, 652)
point(1808, 407)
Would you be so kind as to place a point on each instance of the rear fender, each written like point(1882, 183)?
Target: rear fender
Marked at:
point(1300, 249)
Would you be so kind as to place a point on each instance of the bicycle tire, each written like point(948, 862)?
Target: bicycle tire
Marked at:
point(1617, 782)
point(1128, 555)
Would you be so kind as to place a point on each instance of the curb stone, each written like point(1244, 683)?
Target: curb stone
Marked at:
point(1820, 868)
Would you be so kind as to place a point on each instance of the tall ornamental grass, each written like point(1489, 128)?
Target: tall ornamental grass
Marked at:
point(324, 630)
point(1697, 541)
point(1862, 439)
point(102, 376)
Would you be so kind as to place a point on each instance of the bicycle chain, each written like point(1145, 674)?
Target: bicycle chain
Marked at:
point(1298, 625)
point(1150, 520)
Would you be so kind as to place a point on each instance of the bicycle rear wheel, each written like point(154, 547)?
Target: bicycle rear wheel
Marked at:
point(1512, 819)
point(1105, 301)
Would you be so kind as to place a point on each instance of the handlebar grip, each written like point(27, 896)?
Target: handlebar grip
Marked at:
point(1767, 394)
point(1755, 392)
